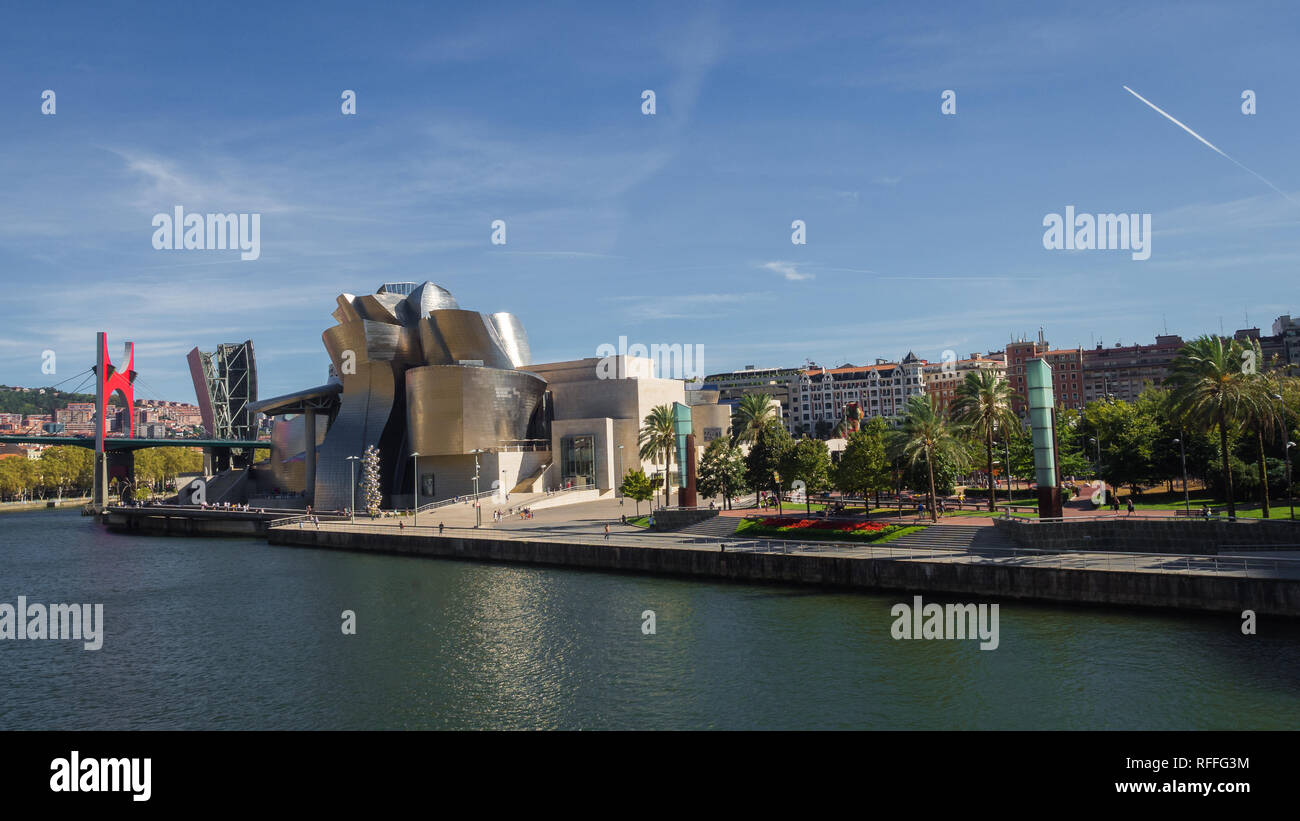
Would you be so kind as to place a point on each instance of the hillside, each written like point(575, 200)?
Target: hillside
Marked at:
point(18, 401)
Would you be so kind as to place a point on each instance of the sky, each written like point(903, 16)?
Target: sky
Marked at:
point(924, 230)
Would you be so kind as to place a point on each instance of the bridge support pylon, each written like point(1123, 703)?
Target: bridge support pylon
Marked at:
point(109, 380)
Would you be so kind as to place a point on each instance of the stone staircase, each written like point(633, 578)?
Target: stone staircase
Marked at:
point(954, 537)
point(719, 527)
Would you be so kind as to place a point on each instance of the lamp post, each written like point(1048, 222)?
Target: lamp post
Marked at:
point(1096, 442)
point(1289, 494)
point(352, 511)
point(415, 485)
point(618, 489)
point(1006, 451)
point(1182, 450)
point(478, 511)
point(1286, 450)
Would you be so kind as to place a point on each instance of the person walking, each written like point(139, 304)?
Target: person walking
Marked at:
point(1130, 505)
point(607, 531)
point(439, 528)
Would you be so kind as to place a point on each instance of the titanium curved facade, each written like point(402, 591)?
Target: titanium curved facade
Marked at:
point(420, 375)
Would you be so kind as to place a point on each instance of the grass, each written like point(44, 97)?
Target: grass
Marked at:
point(639, 521)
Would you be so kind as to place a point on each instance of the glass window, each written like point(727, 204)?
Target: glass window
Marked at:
point(578, 459)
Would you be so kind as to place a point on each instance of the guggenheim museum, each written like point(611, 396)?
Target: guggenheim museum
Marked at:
point(456, 393)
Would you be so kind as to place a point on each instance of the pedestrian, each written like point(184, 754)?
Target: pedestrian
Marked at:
point(607, 531)
point(1205, 512)
point(401, 525)
point(439, 528)
point(1130, 505)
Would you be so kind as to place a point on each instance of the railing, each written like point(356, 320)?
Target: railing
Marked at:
point(1121, 515)
point(473, 497)
point(305, 518)
point(1250, 566)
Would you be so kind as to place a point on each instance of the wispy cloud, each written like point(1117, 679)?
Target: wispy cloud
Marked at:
point(787, 270)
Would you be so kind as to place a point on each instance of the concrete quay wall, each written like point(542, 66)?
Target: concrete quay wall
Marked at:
point(1150, 535)
point(1195, 592)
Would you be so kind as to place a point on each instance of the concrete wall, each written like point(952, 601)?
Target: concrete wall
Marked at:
point(1225, 594)
point(1171, 535)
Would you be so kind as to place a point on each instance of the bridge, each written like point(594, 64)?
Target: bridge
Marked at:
point(114, 455)
point(127, 443)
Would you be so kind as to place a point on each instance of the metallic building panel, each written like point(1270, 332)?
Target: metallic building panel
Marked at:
point(381, 307)
point(367, 404)
point(469, 336)
point(453, 410)
point(511, 333)
point(346, 311)
point(288, 451)
point(426, 298)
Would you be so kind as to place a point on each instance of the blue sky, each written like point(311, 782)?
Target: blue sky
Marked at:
point(924, 231)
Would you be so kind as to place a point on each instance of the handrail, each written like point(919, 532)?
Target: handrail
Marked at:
point(1121, 516)
point(473, 497)
point(1078, 559)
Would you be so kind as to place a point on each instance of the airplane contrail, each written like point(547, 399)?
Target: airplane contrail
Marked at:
point(1211, 145)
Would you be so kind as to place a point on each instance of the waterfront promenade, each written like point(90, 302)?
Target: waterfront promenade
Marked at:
point(984, 566)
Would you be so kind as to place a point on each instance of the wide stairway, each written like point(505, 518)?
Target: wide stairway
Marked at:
point(954, 537)
point(719, 527)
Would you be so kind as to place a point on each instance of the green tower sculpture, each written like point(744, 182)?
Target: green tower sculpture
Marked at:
point(1042, 422)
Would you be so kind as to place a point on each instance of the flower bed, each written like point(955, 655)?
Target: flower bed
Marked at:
point(789, 527)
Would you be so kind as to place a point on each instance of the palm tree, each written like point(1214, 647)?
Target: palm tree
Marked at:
point(753, 411)
point(926, 434)
point(1210, 390)
point(983, 406)
point(658, 437)
point(1260, 413)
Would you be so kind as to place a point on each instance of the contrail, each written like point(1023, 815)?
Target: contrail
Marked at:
point(1211, 145)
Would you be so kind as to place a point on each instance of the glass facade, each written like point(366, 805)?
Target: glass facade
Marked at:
point(578, 460)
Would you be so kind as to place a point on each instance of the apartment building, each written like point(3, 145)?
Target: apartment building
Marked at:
point(882, 389)
point(1067, 372)
point(942, 378)
point(1124, 371)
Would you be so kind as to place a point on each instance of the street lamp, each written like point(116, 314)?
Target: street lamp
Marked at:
point(478, 511)
point(1281, 405)
point(1289, 494)
point(1006, 451)
point(1182, 450)
point(352, 511)
point(416, 486)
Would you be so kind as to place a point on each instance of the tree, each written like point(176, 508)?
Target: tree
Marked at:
point(1127, 434)
point(371, 495)
point(658, 438)
point(722, 471)
point(983, 407)
point(1260, 416)
point(763, 463)
point(864, 466)
point(809, 461)
point(751, 415)
point(926, 436)
point(636, 486)
point(1209, 392)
